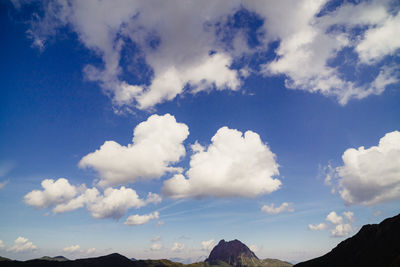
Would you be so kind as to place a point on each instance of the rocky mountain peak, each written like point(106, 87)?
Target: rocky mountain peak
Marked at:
point(234, 252)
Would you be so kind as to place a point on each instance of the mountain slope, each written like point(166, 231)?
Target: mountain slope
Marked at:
point(374, 245)
point(235, 253)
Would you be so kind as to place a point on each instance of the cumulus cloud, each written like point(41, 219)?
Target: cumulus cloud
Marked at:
point(72, 249)
point(271, 209)
point(371, 175)
point(54, 192)
point(334, 218)
point(337, 225)
point(64, 197)
point(178, 53)
point(22, 244)
point(156, 246)
point(341, 230)
point(141, 219)
point(380, 41)
point(207, 245)
point(2, 246)
point(317, 227)
point(234, 164)
point(177, 247)
point(156, 144)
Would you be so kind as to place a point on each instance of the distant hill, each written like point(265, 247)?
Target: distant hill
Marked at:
point(374, 245)
point(57, 258)
point(225, 254)
point(4, 259)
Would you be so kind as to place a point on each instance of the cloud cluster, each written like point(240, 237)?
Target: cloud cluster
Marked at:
point(22, 244)
point(178, 53)
point(207, 245)
point(72, 249)
point(233, 165)
point(141, 219)
point(156, 144)
point(2, 246)
point(271, 209)
point(177, 247)
point(371, 176)
point(54, 192)
point(113, 203)
point(339, 226)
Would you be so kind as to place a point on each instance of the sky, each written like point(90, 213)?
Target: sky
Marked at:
point(157, 128)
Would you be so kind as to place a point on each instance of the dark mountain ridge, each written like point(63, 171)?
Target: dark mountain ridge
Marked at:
point(374, 245)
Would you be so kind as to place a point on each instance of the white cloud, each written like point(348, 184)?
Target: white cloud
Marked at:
point(116, 202)
point(271, 209)
point(72, 249)
point(156, 144)
point(207, 245)
point(317, 227)
point(141, 219)
point(349, 216)
point(371, 176)
point(177, 247)
point(178, 53)
point(113, 203)
point(341, 230)
point(22, 244)
point(2, 246)
point(337, 226)
point(54, 192)
point(156, 246)
point(380, 41)
point(180, 57)
point(308, 43)
point(334, 218)
point(254, 248)
point(234, 164)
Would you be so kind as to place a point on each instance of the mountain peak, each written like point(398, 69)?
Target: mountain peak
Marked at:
point(232, 252)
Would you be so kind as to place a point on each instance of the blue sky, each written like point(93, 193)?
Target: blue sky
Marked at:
point(273, 123)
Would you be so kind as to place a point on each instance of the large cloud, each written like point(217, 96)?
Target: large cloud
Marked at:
point(371, 176)
point(234, 164)
point(156, 144)
point(338, 226)
point(184, 44)
point(54, 192)
point(114, 203)
point(22, 244)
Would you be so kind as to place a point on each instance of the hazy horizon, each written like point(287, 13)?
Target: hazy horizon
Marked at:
point(154, 129)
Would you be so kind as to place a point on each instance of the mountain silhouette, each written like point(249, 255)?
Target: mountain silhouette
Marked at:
point(374, 245)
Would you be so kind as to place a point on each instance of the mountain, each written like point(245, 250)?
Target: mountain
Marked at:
point(4, 259)
point(57, 258)
point(235, 253)
point(225, 254)
point(374, 245)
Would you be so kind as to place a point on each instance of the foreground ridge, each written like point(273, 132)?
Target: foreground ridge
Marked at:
point(375, 245)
